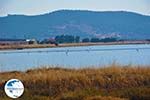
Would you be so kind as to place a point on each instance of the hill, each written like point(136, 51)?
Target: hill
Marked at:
point(125, 25)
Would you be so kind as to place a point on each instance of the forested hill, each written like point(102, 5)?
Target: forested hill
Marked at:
point(121, 24)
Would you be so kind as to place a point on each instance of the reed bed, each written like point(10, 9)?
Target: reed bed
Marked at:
point(108, 83)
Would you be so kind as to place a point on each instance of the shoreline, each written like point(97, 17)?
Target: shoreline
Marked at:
point(33, 46)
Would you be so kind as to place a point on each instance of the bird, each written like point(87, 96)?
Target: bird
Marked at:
point(137, 50)
point(67, 51)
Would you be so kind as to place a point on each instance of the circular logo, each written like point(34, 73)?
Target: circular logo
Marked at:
point(14, 88)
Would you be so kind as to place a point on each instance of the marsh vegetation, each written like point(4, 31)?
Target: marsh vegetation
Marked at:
point(106, 83)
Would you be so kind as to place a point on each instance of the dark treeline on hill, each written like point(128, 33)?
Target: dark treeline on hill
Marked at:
point(75, 39)
point(67, 39)
point(103, 40)
point(126, 25)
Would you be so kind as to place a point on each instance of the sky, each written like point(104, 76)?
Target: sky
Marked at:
point(36, 7)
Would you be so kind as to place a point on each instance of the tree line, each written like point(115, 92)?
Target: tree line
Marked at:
point(77, 39)
point(67, 39)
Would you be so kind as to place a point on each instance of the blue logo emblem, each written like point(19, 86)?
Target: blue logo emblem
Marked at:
point(14, 88)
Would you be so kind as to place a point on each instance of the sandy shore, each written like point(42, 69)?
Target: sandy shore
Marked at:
point(14, 47)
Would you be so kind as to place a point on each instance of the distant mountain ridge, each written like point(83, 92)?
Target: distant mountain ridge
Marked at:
point(121, 24)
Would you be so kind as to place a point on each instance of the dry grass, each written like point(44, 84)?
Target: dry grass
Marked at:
point(23, 46)
point(109, 83)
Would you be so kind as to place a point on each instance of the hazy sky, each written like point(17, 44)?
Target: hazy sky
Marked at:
point(36, 7)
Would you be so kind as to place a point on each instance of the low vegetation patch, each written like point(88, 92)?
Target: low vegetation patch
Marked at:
point(107, 83)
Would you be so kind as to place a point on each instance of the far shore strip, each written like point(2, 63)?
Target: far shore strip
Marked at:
point(19, 47)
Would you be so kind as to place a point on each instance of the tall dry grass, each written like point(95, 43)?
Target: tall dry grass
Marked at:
point(108, 83)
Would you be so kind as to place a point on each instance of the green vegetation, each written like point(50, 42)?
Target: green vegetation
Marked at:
point(67, 39)
point(76, 39)
point(86, 40)
point(108, 83)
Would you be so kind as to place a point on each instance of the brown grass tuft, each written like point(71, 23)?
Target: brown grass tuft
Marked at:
point(108, 83)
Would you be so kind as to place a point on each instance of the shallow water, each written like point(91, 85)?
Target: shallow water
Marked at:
point(75, 57)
